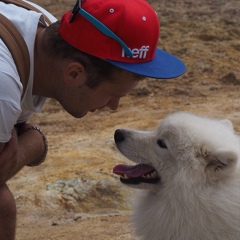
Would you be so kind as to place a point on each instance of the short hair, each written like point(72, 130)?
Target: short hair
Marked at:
point(97, 69)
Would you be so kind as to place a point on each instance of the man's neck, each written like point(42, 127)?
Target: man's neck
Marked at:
point(38, 66)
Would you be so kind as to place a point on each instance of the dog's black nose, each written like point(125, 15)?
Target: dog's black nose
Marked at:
point(118, 136)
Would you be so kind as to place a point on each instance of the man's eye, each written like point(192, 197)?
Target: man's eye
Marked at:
point(161, 143)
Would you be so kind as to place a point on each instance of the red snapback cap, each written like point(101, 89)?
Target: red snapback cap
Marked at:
point(122, 32)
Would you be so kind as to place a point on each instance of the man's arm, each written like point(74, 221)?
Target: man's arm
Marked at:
point(2, 145)
point(21, 150)
point(8, 158)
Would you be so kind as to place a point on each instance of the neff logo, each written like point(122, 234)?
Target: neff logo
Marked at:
point(138, 53)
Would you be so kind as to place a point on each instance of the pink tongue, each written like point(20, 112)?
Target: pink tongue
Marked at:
point(132, 171)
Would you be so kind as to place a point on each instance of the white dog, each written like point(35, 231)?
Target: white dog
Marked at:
point(189, 170)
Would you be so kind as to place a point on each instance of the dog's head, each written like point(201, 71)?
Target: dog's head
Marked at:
point(185, 149)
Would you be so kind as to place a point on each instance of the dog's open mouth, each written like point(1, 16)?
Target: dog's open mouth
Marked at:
point(136, 174)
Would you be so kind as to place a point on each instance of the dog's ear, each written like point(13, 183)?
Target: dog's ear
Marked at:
point(227, 123)
point(222, 161)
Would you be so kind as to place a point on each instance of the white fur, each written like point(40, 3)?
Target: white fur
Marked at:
point(198, 197)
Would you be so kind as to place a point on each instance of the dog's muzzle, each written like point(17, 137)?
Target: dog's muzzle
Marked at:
point(134, 174)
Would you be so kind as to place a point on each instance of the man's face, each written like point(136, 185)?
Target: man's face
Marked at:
point(107, 94)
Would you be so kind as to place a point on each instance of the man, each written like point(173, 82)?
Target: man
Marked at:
point(89, 60)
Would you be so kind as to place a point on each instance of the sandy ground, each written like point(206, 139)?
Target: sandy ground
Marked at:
point(74, 194)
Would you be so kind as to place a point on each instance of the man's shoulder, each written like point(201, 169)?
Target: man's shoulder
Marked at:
point(44, 11)
point(21, 16)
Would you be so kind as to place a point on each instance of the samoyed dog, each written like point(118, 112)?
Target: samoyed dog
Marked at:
point(189, 173)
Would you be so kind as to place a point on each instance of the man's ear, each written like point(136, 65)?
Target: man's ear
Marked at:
point(75, 74)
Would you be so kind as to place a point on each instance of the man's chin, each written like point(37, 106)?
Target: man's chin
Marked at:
point(78, 115)
point(93, 110)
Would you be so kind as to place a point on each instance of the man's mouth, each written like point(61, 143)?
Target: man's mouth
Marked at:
point(136, 174)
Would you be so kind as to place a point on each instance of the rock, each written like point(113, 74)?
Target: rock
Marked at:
point(230, 78)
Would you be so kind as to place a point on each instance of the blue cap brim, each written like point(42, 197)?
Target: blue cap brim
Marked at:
point(164, 66)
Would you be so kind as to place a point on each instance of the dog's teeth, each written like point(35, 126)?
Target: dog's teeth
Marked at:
point(147, 176)
point(154, 174)
point(151, 175)
point(125, 176)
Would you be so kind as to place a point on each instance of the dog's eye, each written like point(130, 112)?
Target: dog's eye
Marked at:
point(161, 143)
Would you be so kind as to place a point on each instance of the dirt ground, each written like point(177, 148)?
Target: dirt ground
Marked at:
point(74, 194)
